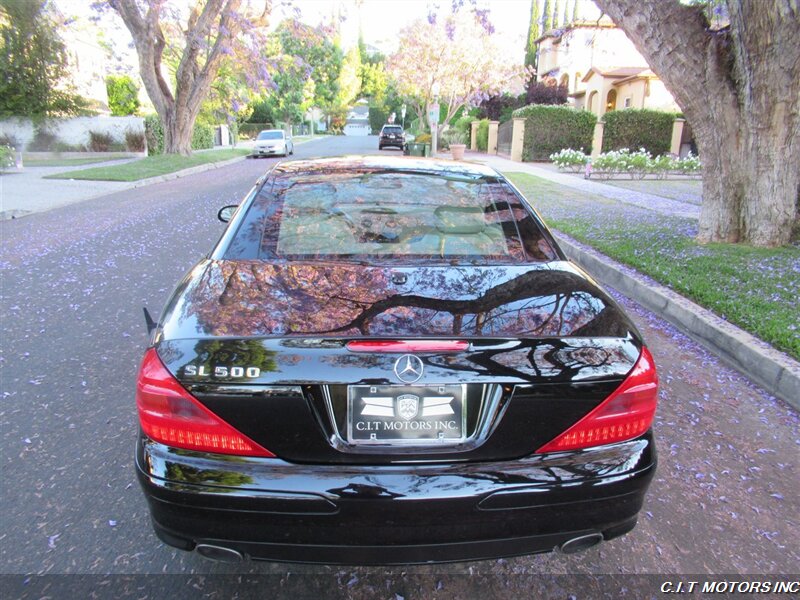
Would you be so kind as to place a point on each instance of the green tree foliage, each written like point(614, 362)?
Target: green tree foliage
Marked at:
point(377, 117)
point(349, 79)
point(313, 46)
point(304, 65)
point(229, 98)
point(374, 82)
point(263, 112)
point(123, 95)
point(575, 12)
point(533, 35)
point(33, 62)
point(547, 16)
point(292, 77)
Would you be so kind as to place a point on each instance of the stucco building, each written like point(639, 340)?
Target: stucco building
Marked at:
point(601, 68)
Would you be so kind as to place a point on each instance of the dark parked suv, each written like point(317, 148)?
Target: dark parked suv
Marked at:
point(392, 135)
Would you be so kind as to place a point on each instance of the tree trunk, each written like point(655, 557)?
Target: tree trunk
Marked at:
point(209, 30)
point(740, 90)
point(178, 121)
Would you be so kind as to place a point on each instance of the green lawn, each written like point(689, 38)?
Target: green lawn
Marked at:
point(29, 161)
point(754, 288)
point(151, 166)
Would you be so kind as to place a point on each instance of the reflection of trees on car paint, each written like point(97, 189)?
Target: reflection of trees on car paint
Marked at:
point(185, 474)
point(236, 353)
point(243, 298)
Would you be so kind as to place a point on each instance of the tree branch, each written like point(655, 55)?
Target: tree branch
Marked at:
point(677, 43)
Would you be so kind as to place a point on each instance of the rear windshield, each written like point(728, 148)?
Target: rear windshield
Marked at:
point(392, 130)
point(270, 135)
point(389, 216)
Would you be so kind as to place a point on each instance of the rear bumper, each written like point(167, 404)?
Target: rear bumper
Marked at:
point(273, 510)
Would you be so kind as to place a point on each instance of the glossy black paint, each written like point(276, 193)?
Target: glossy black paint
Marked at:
point(546, 345)
point(247, 298)
point(544, 385)
point(400, 514)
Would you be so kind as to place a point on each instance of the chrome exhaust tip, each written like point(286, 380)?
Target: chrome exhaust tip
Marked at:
point(581, 543)
point(219, 553)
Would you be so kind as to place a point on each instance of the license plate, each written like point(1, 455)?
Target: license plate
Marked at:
point(406, 414)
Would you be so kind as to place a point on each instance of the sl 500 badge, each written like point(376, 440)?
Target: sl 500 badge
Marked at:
point(221, 371)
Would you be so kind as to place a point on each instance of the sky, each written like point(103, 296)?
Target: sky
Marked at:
point(381, 20)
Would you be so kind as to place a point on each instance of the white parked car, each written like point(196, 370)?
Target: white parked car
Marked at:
point(273, 141)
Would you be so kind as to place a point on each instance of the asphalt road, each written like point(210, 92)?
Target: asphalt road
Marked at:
point(74, 280)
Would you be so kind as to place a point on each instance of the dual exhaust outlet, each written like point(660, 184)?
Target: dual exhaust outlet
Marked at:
point(229, 555)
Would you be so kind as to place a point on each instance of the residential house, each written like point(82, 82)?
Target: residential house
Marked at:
point(601, 68)
point(358, 119)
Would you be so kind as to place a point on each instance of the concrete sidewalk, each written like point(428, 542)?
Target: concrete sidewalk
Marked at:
point(27, 192)
point(658, 204)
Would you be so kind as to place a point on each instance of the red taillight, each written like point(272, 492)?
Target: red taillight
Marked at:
point(624, 415)
point(407, 346)
point(170, 415)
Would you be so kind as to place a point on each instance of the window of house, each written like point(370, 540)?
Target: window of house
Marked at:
point(611, 100)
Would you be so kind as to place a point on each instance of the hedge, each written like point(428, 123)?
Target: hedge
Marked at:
point(549, 129)
point(635, 128)
point(154, 133)
point(202, 137)
point(482, 135)
point(377, 118)
point(233, 126)
point(250, 130)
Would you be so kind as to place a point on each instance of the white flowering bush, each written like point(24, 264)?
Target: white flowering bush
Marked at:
point(640, 163)
point(663, 165)
point(569, 159)
point(618, 162)
point(689, 165)
point(6, 157)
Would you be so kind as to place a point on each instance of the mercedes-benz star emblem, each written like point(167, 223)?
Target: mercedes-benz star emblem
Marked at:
point(408, 368)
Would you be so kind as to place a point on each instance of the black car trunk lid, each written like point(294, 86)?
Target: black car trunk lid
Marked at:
point(541, 346)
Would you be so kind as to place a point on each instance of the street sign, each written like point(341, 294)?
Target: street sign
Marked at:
point(433, 114)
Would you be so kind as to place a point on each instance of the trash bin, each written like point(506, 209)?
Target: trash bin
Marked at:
point(417, 149)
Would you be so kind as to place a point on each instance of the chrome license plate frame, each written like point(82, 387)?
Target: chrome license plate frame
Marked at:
point(407, 415)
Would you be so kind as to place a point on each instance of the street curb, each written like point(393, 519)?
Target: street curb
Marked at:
point(185, 172)
point(195, 170)
point(198, 169)
point(776, 372)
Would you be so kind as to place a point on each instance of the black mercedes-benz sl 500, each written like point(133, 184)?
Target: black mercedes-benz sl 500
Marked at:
point(390, 360)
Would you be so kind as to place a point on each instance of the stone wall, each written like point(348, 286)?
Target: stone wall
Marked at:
point(73, 131)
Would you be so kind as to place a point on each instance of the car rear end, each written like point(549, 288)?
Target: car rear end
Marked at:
point(391, 136)
point(303, 405)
